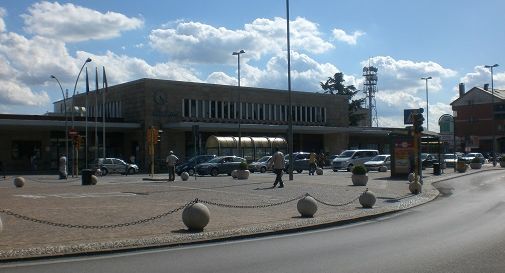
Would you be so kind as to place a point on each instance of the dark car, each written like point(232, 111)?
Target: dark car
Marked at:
point(219, 165)
point(189, 165)
point(301, 162)
point(428, 160)
point(261, 165)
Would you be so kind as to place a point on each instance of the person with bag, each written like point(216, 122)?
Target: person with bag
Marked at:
point(171, 162)
point(278, 165)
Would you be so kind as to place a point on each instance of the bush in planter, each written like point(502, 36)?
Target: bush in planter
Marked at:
point(359, 176)
point(475, 163)
point(242, 166)
point(502, 161)
point(243, 172)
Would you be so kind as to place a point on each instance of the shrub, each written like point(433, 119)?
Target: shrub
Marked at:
point(475, 160)
point(502, 159)
point(242, 166)
point(359, 170)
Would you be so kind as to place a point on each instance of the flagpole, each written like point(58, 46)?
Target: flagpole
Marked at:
point(103, 108)
point(86, 123)
point(96, 114)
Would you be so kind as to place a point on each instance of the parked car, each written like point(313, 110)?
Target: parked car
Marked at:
point(219, 165)
point(301, 162)
point(350, 158)
point(189, 165)
point(469, 156)
point(261, 165)
point(377, 162)
point(427, 160)
point(450, 160)
point(114, 165)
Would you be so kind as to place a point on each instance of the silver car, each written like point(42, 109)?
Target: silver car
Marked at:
point(115, 165)
point(261, 165)
point(379, 163)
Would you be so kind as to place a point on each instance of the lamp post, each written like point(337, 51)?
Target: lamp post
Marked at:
point(73, 110)
point(427, 104)
point(492, 111)
point(66, 117)
point(290, 114)
point(237, 53)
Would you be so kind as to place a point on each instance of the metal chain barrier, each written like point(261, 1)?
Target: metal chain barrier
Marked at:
point(141, 221)
point(336, 205)
point(249, 206)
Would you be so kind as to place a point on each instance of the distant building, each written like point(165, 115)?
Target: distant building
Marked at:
point(477, 120)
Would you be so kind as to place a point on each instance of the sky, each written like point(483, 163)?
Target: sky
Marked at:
point(193, 40)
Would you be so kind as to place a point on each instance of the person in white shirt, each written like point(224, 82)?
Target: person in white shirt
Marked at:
point(171, 162)
point(278, 165)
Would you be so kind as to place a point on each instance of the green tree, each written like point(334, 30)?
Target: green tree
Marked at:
point(335, 86)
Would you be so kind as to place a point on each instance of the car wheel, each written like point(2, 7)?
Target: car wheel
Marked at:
point(349, 168)
point(263, 169)
point(104, 171)
point(191, 172)
point(131, 171)
point(214, 172)
point(299, 171)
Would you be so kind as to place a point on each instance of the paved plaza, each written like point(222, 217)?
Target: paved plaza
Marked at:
point(123, 212)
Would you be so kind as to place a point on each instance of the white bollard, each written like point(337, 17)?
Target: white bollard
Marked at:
point(367, 199)
point(94, 179)
point(415, 187)
point(319, 171)
point(307, 206)
point(19, 182)
point(411, 177)
point(184, 176)
point(196, 217)
point(1, 225)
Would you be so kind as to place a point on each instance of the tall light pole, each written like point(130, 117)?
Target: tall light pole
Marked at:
point(492, 111)
point(427, 104)
point(237, 53)
point(73, 110)
point(66, 117)
point(290, 116)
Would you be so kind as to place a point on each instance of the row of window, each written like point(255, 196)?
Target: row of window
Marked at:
point(251, 111)
point(112, 110)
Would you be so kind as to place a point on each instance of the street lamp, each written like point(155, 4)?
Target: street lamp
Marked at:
point(237, 53)
point(290, 114)
point(66, 118)
point(492, 111)
point(73, 110)
point(427, 104)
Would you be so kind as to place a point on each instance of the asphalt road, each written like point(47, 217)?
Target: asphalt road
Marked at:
point(462, 231)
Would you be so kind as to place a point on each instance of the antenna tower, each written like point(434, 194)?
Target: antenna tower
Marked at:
point(370, 88)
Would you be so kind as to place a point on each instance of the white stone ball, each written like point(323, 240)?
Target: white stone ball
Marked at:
point(367, 199)
point(411, 177)
point(94, 180)
point(19, 182)
point(319, 171)
point(415, 187)
point(307, 206)
point(234, 174)
point(383, 169)
point(196, 216)
point(184, 176)
point(1, 225)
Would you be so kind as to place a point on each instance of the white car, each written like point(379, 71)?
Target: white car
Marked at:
point(379, 163)
point(469, 156)
point(450, 160)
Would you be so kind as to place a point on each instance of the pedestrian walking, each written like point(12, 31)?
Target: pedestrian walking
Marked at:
point(171, 161)
point(62, 168)
point(312, 163)
point(278, 165)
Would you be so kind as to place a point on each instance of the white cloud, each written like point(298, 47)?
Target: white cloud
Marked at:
point(342, 36)
point(3, 13)
point(481, 76)
point(221, 78)
point(201, 43)
point(72, 23)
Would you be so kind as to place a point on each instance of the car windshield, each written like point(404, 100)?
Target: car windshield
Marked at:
point(379, 158)
point(345, 154)
point(215, 160)
point(470, 155)
point(424, 156)
point(264, 159)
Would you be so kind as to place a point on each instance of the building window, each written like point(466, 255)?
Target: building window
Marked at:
point(192, 107)
point(213, 113)
point(185, 108)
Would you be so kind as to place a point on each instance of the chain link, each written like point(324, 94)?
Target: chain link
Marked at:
point(141, 221)
point(336, 205)
point(250, 206)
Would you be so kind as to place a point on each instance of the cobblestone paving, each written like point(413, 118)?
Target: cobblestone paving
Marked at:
point(120, 199)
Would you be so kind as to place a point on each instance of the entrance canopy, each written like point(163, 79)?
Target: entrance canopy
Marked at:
point(252, 147)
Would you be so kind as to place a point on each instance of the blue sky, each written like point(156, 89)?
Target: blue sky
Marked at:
point(192, 40)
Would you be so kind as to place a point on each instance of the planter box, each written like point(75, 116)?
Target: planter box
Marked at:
point(359, 179)
point(461, 167)
point(475, 165)
point(242, 174)
point(502, 164)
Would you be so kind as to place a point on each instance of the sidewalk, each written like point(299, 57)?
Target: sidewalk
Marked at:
point(122, 199)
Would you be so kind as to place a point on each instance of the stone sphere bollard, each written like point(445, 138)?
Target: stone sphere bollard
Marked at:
point(196, 216)
point(94, 179)
point(319, 171)
point(411, 177)
point(1, 225)
point(307, 206)
point(367, 199)
point(234, 174)
point(383, 169)
point(184, 176)
point(19, 182)
point(415, 187)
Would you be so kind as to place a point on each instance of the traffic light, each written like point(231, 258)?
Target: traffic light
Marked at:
point(418, 122)
point(158, 135)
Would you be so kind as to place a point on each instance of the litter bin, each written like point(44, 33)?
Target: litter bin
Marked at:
point(436, 169)
point(86, 176)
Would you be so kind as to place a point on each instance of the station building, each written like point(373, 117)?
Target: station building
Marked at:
point(188, 114)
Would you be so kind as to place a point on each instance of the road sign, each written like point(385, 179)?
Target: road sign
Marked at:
point(408, 115)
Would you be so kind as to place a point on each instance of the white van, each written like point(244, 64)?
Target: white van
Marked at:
point(350, 158)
